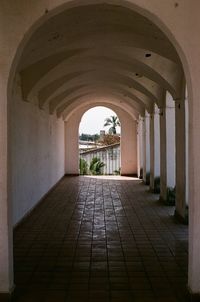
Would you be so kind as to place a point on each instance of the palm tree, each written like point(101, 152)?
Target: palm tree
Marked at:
point(114, 122)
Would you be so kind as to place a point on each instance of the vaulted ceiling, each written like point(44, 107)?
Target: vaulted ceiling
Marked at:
point(99, 51)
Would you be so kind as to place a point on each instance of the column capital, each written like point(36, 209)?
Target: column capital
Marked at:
point(147, 115)
point(141, 116)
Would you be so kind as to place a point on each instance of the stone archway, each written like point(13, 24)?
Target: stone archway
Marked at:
point(166, 17)
point(128, 139)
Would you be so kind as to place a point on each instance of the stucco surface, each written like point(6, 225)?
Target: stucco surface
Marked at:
point(37, 155)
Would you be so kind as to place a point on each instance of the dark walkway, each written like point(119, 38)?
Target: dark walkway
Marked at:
point(100, 240)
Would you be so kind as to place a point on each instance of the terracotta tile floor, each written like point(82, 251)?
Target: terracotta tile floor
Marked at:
point(100, 239)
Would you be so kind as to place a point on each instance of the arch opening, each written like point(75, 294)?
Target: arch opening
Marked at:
point(127, 161)
point(99, 142)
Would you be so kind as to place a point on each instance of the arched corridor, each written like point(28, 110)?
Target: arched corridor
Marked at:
point(101, 239)
point(59, 58)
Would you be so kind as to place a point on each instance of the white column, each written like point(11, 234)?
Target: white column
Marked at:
point(170, 137)
point(6, 242)
point(152, 155)
point(146, 147)
point(180, 159)
point(154, 147)
point(163, 154)
point(167, 146)
point(140, 146)
point(187, 150)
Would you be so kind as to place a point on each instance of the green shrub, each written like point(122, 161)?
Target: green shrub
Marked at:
point(117, 172)
point(83, 167)
point(96, 166)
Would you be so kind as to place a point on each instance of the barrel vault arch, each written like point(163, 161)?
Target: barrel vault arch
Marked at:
point(17, 66)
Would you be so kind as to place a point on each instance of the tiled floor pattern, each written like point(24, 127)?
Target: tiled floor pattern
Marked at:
point(96, 239)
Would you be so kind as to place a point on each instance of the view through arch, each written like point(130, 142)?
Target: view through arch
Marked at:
point(99, 142)
point(60, 103)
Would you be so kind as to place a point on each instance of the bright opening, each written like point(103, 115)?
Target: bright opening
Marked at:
point(99, 142)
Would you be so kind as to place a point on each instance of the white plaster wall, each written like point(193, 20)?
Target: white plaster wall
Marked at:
point(37, 155)
point(72, 144)
point(128, 145)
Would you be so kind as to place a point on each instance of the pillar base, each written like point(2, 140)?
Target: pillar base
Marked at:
point(154, 190)
point(7, 297)
point(192, 297)
point(72, 174)
point(180, 218)
point(147, 179)
point(161, 199)
point(151, 190)
point(141, 174)
point(129, 175)
point(167, 202)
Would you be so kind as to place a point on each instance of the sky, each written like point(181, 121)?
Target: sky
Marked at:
point(93, 120)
